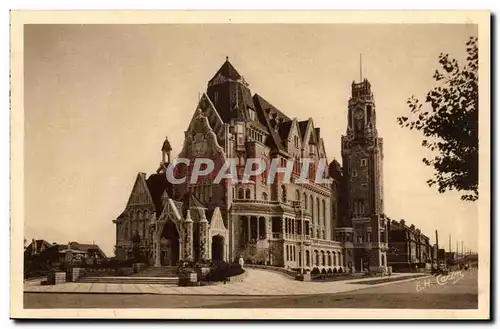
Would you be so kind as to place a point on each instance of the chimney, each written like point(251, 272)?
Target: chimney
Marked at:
point(318, 135)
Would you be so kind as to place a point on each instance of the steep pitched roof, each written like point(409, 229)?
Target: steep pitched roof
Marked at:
point(157, 185)
point(284, 129)
point(227, 70)
point(267, 112)
point(86, 247)
point(37, 246)
point(140, 194)
point(303, 128)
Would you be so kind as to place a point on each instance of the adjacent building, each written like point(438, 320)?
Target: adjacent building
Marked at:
point(40, 255)
point(409, 248)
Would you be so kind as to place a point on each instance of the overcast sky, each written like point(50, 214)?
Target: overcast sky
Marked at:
point(99, 100)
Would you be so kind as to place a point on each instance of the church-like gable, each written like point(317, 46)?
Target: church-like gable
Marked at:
point(140, 193)
point(216, 222)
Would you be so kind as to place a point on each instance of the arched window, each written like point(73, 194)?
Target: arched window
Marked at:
point(247, 194)
point(329, 257)
point(316, 254)
point(305, 201)
point(297, 195)
point(322, 258)
point(334, 258)
point(241, 194)
point(264, 196)
point(308, 258)
point(287, 253)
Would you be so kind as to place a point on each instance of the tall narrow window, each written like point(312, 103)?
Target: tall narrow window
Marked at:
point(324, 212)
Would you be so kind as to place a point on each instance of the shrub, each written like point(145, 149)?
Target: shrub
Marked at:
point(315, 271)
point(334, 270)
point(341, 270)
point(222, 271)
point(323, 271)
point(329, 271)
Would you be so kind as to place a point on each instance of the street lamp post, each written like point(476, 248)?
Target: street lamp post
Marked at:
point(301, 242)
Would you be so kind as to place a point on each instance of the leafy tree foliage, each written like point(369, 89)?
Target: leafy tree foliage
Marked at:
point(450, 124)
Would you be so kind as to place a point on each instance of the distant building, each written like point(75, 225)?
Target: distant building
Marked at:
point(408, 247)
point(41, 256)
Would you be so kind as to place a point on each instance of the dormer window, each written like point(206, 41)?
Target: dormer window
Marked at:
point(251, 114)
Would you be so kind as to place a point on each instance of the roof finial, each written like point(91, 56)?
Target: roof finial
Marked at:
point(360, 68)
point(227, 58)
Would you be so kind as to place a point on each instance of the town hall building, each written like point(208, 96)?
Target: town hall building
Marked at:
point(337, 226)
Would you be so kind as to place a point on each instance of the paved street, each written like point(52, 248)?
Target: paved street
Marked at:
point(458, 293)
point(256, 283)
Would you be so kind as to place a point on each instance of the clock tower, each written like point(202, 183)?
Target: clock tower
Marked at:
point(362, 157)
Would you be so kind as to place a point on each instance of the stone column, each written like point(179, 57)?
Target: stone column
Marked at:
point(204, 238)
point(283, 226)
point(188, 240)
point(249, 227)
point(156, 248)
point(257, 228)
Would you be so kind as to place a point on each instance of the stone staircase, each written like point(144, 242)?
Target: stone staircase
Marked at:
point(166, 275)
point(170, 281)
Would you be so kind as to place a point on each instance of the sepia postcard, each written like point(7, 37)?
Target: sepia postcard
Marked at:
point(250, 165)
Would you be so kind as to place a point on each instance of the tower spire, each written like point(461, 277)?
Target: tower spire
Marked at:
point(360, 68)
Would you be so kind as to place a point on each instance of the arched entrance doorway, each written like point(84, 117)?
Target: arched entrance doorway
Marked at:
point(218, 248)
point(169, 244)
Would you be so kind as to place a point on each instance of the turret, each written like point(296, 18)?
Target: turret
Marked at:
point(165, 151)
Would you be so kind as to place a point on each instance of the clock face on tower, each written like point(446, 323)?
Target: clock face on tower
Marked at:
point(358, 115)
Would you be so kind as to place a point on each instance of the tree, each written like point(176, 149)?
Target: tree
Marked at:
point(450, 125)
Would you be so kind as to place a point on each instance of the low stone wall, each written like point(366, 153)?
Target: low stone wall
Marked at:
point(74, 274)
point(290, 273)
point(303, 277)
point(138, 267)
point(56, 278)
point(188, 279)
